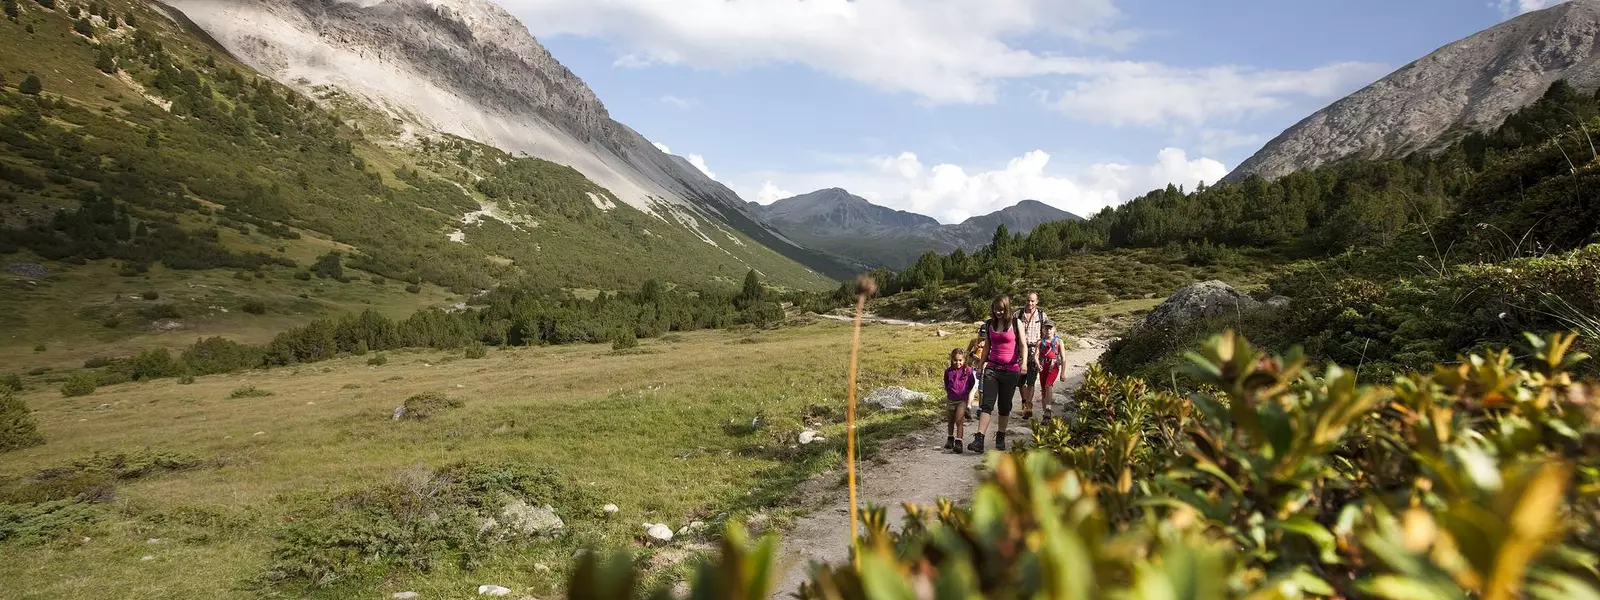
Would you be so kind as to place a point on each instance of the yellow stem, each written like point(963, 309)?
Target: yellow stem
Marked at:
point(850, 419)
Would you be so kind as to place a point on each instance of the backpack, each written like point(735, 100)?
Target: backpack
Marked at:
point(1016, 329)
point(1047, 351)
point(1042, 318)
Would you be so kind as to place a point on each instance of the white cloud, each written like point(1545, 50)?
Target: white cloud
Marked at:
point(1512, 8)
point(699, 162)
point(942, 52)
point(676, 102)
point(951, 193)
point(1213, 141)
point(771, 193)
point(662, 147)
point(1142, 94)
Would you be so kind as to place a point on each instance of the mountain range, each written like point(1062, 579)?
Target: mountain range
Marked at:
point(1470, 85)
point(836, 221)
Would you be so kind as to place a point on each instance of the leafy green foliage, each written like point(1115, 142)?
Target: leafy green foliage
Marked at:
point(31, 85)
point(1270, 482)
point(11, 382)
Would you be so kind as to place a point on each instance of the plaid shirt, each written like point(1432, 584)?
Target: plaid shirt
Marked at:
point(1031, 327)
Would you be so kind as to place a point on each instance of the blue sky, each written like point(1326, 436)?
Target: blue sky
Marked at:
point(954, 108)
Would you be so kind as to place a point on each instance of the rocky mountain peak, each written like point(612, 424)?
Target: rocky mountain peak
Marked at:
point(1470, 85)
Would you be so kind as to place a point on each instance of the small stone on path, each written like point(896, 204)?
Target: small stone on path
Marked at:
point(146, 558)
point(493, 590)
point(405, 596)
point(659, 533)
point(610, 509)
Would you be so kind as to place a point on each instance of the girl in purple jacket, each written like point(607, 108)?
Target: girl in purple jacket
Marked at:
point(958, 382)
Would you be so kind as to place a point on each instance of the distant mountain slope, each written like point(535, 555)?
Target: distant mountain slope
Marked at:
point(1470, 85)
point(836, 221)
point(470, 69)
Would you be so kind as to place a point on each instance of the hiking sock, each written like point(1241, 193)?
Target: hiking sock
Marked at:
point(977, 443)
point(1000, 441)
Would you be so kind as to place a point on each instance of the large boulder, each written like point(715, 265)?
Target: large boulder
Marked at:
point(894, 397)
point(1207, 299)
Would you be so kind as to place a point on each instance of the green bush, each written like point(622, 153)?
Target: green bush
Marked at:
point(11, 382)
point(414, 288)
point(476, 351)
point(428, 405)
point(379, 360)
point(81, 383)
point(39, 348)
point(624, 339)
point(156, 312)
point(96, 362)
point(415, 524)
point(254, 306)
point(18, 429)
point(249, 391)
point(151, 295)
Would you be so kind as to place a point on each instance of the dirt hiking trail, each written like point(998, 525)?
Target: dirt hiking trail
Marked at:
point(914, 468)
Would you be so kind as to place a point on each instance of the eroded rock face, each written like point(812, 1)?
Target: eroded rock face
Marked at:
point(1470, 85)
point(1206, 299)
point(471, 69)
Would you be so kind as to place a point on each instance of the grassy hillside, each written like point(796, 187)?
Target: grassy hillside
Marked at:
point(136, 157)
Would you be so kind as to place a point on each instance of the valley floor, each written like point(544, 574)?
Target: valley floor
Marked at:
point(662, 431)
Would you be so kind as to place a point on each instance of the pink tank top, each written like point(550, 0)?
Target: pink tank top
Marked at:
point(1003, 350)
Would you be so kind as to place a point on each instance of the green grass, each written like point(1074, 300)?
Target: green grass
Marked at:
point(648, 432)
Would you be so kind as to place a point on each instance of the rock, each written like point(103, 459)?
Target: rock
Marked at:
point(1201, 300)
point(541, 567)
point(659, 534)
point(146, 558)
point(1279, 301)
point(530, 520)
point(154, 541)
point(29, 270)
point(894, 397)
point(493, 590)
point(259, 433)
point(808, 436)
point(399, 413)
point(405, 595)
point(610, 509)
point(941, 333)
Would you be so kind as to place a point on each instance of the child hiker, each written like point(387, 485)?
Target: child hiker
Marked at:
point(1050, 354)
point(958, 383)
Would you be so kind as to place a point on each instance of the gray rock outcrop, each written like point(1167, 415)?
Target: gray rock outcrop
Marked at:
point(1470, 85)
point(1206, 299)
point(894, 397)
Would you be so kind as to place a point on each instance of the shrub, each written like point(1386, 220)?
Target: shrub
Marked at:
point(362, 348)
point(111, 322)
point(96, 362)
point(37, 371)
point(39, 348)
point(220, 355)
point(624, 339)
point(154, 363)
point(81, 383)
point(17, 426)
point(249, 391)
point(427, 405)
point(303, 275)
point(414, 288)
point(476, 351)
point(31, 85)
point(161, 311)
point(151, 295)
point(415, 523)
point(254, 306)
point(378, 360)
point(11, 382)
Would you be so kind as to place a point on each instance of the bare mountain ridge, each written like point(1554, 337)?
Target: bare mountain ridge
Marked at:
point(836, 221)
point(1470, 85)
point(469, 68)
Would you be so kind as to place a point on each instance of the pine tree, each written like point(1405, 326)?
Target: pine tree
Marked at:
point(12, 10)
point(153, 140)
point(752, 290)
point(106, 62)
point(31, 86)
point(83, 27)
point(74, 12)
point(128, 19)
point(111, 21)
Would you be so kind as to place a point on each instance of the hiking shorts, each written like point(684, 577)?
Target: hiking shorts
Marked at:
point(999, 387)
point(1031, 377)
point(1048, 375)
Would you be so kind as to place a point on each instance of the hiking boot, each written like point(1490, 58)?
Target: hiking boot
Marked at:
point(950, 443)
point(977, 443)
point(1000, 441)
point(957, 447)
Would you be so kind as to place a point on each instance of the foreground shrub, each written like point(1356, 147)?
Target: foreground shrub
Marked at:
point(476, 351)
point(69, 499)
point(18, 429)
point(1472, 480)
point(81, 383)
point(11, 382)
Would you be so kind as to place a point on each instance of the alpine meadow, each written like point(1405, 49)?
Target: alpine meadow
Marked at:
point(377, 299)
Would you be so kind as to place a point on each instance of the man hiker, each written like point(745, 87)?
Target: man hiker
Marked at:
point(1032, 319)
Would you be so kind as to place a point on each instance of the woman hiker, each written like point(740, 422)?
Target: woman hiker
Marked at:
point(1007, 354)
